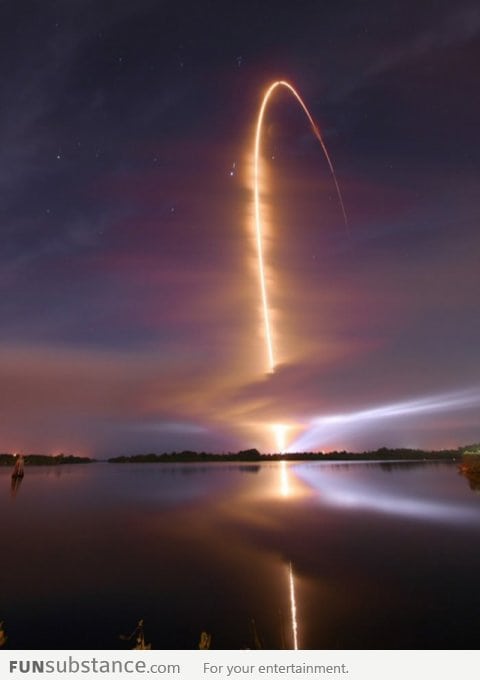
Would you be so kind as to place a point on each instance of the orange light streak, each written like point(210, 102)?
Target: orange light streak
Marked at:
point(293, 607)
point(257, 204)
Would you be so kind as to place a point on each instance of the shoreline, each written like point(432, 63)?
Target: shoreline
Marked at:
point(462, 454)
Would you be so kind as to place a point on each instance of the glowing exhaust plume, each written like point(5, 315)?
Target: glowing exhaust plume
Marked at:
point(280, 432)
point(257, 207)
point(293, 607)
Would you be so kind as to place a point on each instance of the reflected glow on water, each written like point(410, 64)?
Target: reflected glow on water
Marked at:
point(290, 485)
point(356, 492)
point(285, 490)
point(293, 606)
point(214, 546)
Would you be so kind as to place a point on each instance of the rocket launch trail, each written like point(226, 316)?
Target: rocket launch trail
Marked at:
point(257, 204)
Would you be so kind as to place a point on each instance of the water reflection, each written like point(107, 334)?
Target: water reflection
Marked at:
point(15, 484)
point(212, 547)
point(357, 491)
point(18, 469)
point(285, 490)
point(293, 606)
point(252, 469)
point(471, 470)
point(290, 485)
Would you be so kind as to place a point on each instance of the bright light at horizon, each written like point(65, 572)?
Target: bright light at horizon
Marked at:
point(280, 432)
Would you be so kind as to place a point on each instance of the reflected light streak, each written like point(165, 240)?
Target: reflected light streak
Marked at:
point(293, 606)
point(353, 494)
point(289, 484)
point(257, 208)
point(284, 481)
point(323, 426)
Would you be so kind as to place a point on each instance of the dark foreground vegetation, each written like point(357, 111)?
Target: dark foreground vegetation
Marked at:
point(252, 455)
point(38, 459)
point(470, 468)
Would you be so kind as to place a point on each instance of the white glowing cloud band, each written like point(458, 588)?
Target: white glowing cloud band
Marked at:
point(450, 401)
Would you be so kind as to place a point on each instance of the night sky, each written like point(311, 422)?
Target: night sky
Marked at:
point(129, 307)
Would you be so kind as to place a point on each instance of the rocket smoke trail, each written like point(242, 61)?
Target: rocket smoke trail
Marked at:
point(257, 207)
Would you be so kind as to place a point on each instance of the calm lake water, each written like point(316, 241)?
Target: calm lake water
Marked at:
point(359, 555)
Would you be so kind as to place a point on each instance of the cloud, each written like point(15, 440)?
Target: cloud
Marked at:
point(458, 27)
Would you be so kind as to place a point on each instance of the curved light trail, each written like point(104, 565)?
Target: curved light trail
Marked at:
point(257, 203)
